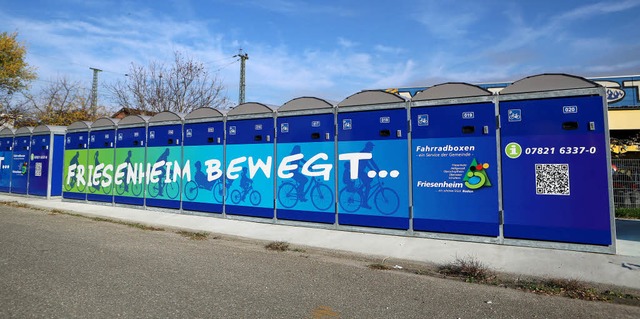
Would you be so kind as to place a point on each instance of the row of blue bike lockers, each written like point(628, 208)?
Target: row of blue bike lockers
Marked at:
point(31, 160)
point(528, 165)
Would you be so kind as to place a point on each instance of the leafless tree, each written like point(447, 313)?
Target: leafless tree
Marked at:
point(184, 86)
point(62, 102)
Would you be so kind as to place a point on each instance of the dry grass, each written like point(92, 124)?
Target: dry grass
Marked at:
point(469, 268)
point(378, 266)
point(277, 246)
point(193, 235)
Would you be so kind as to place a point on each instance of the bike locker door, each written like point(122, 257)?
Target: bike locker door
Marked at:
point(20, 161)
point(164, 162)
point(372, 168)
point(39, 164)
point(203, 154)
point(101, 168)
point(129, 178)
point(455, 169)
point(75, 173)
point(305, 159)
point(554, 164)
point(249, 162)
point(6, 151)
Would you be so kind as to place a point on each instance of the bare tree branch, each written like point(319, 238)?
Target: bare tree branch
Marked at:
point(184, 86)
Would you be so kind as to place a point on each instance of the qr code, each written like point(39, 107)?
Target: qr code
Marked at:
point(38, 169)
point(552, 179)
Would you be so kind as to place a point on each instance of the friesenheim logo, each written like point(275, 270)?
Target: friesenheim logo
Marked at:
point(476, 176)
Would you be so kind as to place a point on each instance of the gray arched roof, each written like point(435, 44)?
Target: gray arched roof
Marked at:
point(167, 116)
point(134, 120)
point(250, 108)
point(49, 129)
point(305, 103)
point(204, 113)
point(104, 123)
point(371, 97)
point(7, 131)
point(79, 125)
point(25, 130)
point(548, 82)
point(451, 90)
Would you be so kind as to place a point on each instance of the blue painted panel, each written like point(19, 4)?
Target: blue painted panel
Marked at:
point(101, 157)
point(130, 150)
point(6, 152)
point(306, 159)
point(20, 164)
point(373, 185)
point(39, 164)
point(208, 133)
point(57, 165)
point(202, 188)
point(455, 178)
point(551, 159)
point(75, 154)
point(249, 162)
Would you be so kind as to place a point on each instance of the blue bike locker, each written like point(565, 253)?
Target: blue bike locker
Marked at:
point(373, 164)
point(454, 161)
point(556, 161)
point(101, 160)
point(130, 165)
point(6, 152)
point(164, 160)
point(20, 160)
point(203, 154)
point(46, 161)
point(305, 149)
point(249, 154)
point(75, 174)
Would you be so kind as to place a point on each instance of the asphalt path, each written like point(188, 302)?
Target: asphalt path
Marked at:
point(61, 266)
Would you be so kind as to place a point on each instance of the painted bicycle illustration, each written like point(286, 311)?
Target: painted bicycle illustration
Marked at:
point(98, 187)
point(321, 195)
point(193, 187)
point(246, 189)
point(353, 197)
point(171, 190)
point(72, 183)
point(136, 188)
point(238, 196)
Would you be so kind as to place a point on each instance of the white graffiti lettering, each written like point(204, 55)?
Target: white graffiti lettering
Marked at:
point(170, 172)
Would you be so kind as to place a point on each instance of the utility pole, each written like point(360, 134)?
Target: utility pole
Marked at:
point(94, 92)
point(243, 57)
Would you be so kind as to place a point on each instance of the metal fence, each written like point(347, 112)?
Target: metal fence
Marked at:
point(626, 182)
